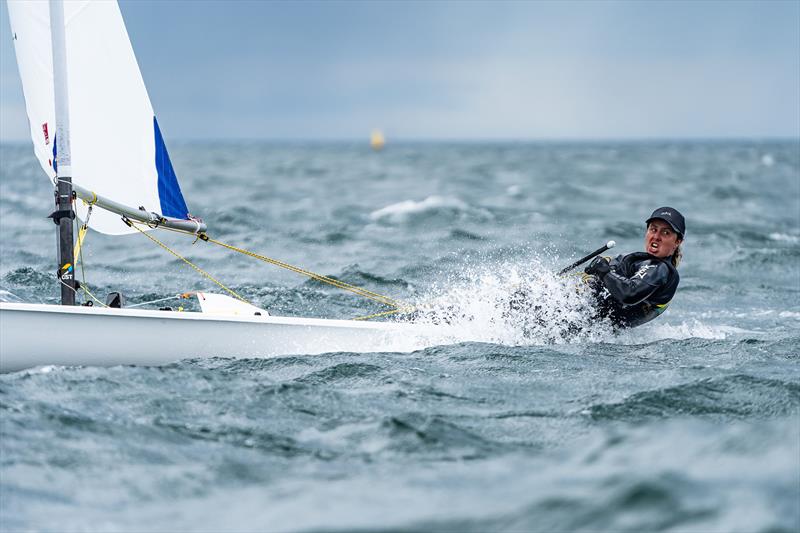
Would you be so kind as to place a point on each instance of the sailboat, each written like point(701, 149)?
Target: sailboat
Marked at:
point(97, 138)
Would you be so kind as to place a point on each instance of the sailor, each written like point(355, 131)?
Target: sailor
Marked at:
point(635, 288)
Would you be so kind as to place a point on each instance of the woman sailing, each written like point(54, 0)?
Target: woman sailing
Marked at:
point(635, 288)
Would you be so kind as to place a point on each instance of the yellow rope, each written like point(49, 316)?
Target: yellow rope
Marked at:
point(77, 253)
point(197, 268)
point(386, 313)
point(84, 289)
point(399, 306)
point(79, 243)
point(324, 279)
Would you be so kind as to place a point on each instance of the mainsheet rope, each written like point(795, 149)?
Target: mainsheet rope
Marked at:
point(399, 306)
point(319, 277)
point(176, 254)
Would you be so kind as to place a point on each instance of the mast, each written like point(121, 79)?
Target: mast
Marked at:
point(64, 215)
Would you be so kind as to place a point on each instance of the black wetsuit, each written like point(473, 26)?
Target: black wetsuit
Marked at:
point(638, 288)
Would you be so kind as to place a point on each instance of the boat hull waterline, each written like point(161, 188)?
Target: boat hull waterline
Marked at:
point(35, 334)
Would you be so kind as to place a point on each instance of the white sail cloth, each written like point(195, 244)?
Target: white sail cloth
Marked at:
point(116, 146)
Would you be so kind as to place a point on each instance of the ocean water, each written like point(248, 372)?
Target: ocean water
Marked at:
point(689, 423)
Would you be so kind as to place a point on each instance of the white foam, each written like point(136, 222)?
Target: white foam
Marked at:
point(402, 211)
point(784, 237)
point(691, 329)
point(482, 308)
point(45, 369)
point(479, 309)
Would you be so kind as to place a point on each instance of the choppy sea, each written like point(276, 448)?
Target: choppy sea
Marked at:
point(689, 423)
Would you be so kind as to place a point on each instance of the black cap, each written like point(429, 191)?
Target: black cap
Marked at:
point(671, 216)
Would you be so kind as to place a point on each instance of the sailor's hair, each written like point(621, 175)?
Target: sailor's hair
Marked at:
point(677, 256)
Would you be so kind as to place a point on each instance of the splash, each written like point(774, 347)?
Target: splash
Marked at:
point(513, 305)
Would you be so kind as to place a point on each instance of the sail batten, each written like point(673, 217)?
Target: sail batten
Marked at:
point(117, 148)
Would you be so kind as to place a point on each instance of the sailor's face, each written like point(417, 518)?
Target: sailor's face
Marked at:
point(660, 239)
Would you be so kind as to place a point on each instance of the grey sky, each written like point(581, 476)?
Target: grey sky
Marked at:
point(458, 70)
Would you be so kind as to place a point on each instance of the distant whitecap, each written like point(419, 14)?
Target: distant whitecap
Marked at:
point(403, 210)
point(784, 237)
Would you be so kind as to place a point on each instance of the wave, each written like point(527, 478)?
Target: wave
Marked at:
point(27, 276)
point(772, 258)
point(402, 434)
point(464, 235)
point(431, 207)
point(744, 234)
point(736, 396)
point(340, 372)
point(28, 284)
point(661, 330)
point(415, 433)
point(353, 275)
point(624, 230)
point(247, 437)
point(785, 237)
point(730, 192)
point(258, 368)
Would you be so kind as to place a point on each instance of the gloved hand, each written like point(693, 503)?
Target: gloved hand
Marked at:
point(598, 267)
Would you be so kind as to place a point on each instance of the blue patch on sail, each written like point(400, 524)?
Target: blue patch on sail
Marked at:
point(169, 192)
point(55, 159)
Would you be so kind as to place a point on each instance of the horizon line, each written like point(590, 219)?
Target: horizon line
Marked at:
point(466, 140)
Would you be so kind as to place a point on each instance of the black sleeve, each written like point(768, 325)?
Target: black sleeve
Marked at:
point(638, 287)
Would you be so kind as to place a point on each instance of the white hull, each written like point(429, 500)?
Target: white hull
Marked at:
point(37, 334)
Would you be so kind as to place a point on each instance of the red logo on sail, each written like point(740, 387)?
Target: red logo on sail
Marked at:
point(46, 135)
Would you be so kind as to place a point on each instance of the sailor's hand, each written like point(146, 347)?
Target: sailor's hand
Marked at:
point(598, 267)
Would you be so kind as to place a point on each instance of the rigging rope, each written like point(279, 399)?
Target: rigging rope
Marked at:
point(77, 254)
point(385, 300)
point(181, 296)
point(386, 313)
point(398, 305)
point(176, 254)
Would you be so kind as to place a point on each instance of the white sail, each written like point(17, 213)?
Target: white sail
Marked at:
point(116, 146)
